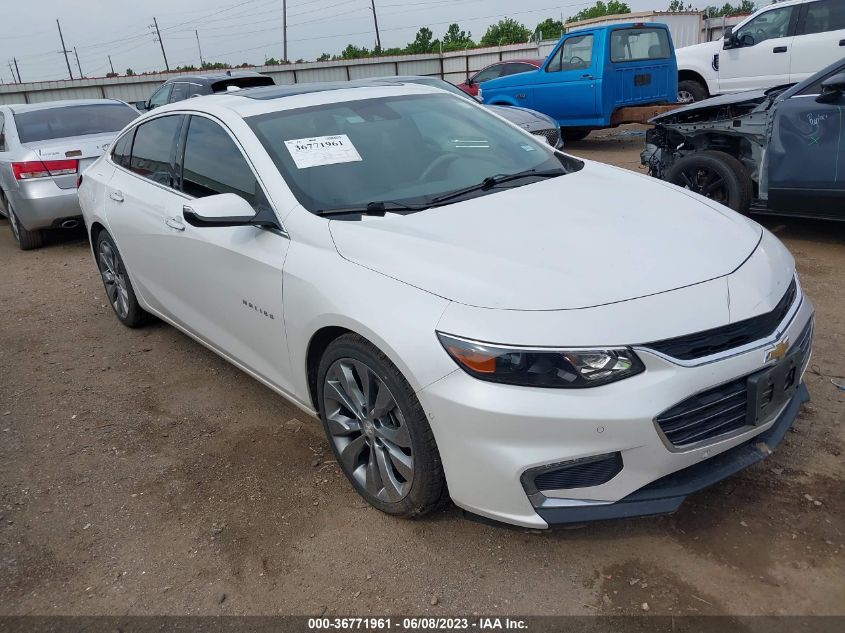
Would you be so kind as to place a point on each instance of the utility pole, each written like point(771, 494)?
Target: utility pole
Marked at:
point(15, 59)
point(375, 21)
point(112, 66)
point(159, 40)
point(197, 33)
point(12, 70)
point(64, 50)
point(77, 62)
point(285, 28)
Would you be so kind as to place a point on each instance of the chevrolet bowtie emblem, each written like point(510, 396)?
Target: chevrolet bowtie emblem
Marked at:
point(778, 351)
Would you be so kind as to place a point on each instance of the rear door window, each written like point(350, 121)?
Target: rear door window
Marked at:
point(494, 72)
point(153, 149)
point(640, 44)
point(214, 164)
point(2, 133)
point(123, 149)
point(823, 16)
point(67, 121)
point(517, 68)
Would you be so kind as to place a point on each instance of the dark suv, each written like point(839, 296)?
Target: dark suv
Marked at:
point(179, 88)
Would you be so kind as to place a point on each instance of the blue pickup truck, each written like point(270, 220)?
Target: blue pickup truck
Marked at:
point(596, 77)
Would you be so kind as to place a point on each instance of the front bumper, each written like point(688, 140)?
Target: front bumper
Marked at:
point(41, 204)
point(490, 434)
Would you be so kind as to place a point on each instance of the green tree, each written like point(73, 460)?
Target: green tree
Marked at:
point(611, 7)
point(271, 61)
point(678, 5)
point(549, 29)
point(354, 52)
point(507, 31)
point(423, 42)
point(728, 9)
point(456, 39)
point(130, 72)
point(324, 57)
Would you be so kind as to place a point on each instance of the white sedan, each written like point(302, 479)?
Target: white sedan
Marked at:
point(556, 339)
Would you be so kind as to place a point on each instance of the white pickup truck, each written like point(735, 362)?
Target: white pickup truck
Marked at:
point(782, 43)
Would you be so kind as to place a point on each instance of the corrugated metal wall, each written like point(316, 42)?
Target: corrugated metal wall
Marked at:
point(453, 67)
point(686, 27)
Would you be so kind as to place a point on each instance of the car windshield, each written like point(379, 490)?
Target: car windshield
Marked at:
point(409, 149)
point(67, 121)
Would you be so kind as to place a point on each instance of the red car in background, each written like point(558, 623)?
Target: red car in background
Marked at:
point(499, 69)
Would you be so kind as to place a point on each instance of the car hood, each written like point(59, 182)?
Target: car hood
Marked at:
point(750, 97)
point(696, 52)
point(592, 237)
point(523, 117)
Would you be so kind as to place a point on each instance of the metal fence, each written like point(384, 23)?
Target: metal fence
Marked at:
point(454, 67)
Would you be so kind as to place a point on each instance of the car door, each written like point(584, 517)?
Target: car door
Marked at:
point(758, 54)
point(141, 197)
point(806, 155)
point(819, 38)
point(228, 280)
point(179, 92)
point(160, 97)
point(566, 85)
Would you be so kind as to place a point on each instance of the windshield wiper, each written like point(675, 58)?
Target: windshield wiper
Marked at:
point(495, 181)
point(374, 208)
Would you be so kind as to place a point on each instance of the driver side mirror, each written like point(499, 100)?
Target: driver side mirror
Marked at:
point(142, 106)
point(731, 40)
point(832, 89)
point(227, 209)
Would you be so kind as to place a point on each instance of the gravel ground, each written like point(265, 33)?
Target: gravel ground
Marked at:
point(141, 474)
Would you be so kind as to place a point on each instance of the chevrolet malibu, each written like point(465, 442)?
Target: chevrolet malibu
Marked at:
point(542, 339)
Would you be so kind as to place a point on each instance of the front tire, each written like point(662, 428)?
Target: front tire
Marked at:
point(690, 91)
point(715, 175)
point(378, 430)
point(117, 285)
point(27, 240)
point(575, 133)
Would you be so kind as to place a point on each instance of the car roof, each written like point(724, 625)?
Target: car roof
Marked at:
point(256, 101)
point(64, 103)
point(212, 77)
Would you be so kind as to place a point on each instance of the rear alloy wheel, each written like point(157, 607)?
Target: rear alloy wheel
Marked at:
point(117, 285)
point(715, 175)
point(690, 91)
point(27, 240)
point(378, 430)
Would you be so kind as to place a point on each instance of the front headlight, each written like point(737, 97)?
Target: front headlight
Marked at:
point(540, 367)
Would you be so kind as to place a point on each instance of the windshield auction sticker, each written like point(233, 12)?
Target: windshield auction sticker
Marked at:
point(322, 150)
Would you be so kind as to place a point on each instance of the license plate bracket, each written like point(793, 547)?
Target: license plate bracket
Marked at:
point(772, 388)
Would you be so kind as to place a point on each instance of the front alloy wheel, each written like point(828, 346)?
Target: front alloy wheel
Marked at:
point(368, 430)
point(378, 430)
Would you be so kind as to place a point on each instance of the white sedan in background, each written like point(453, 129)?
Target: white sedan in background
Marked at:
point(556, 339)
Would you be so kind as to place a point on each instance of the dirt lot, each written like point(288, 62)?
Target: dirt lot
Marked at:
point(141, 474)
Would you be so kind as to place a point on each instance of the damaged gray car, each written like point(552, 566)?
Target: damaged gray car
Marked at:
point(780, 151)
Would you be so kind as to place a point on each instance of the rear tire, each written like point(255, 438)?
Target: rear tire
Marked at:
point(27, 240)
point(715, 175)
point(118, 287)
point(575, 133)
point(378, 430)
point(690, 91)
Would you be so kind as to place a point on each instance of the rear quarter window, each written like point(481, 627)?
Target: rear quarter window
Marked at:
point(68, 121)
point(639, 44)
point(242, 82)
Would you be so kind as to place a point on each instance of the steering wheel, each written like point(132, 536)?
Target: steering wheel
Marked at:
point(576, 61)
point(437, 163)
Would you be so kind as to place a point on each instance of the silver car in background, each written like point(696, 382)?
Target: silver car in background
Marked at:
point(43, 149)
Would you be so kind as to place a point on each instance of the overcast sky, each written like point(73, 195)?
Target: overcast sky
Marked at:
point(235, 30)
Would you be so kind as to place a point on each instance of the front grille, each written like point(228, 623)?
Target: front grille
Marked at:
point(707, 415)
point(722, 409)
point(552, 135)
point(720, 339)
point(578, 473)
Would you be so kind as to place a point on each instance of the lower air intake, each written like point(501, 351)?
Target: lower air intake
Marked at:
point(578, 473)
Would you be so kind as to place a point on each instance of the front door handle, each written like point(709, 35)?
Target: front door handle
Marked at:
point(779, 49)
point(842, 42)
point(117, 196)
point(175, 223)
point(587, 76)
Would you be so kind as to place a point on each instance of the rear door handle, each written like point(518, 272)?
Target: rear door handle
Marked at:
point(117, 196)
point(175, 223)
point(779, 49)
